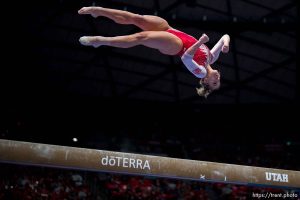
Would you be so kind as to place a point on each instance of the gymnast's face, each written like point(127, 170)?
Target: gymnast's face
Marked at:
point(213, 80)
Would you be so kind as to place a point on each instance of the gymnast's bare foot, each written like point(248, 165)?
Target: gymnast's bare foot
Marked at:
point(95, 41)
point(94, 11)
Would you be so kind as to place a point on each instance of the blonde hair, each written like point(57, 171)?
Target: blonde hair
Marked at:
point(203, 90)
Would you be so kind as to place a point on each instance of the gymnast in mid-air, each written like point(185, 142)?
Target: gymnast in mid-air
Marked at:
point(158, 34)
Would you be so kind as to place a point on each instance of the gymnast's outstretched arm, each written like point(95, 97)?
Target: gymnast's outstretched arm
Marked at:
point(222, 45)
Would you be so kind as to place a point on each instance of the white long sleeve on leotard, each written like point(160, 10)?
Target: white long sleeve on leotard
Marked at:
point(198, 70)
point(217, 49)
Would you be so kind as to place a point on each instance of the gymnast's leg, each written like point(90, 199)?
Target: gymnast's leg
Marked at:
point(222, 45)
point(163, 41)
point(145, 22)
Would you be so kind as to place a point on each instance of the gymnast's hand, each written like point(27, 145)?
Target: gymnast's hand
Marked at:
point(226, 40)
point(225, 48)
point(204, 38)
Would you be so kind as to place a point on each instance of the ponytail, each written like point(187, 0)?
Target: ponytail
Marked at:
point(203, 90)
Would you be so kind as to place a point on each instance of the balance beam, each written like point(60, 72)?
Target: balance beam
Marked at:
point(27, 153)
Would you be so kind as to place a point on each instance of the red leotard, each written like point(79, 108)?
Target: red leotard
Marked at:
point(202, 55)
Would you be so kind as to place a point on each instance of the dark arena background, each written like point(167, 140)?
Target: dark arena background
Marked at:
point(138, 101)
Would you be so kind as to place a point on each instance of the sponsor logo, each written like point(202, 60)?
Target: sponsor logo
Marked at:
point(125, 162)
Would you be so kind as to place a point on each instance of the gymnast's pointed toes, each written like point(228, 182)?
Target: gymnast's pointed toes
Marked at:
point(84, 40)
point(93, 11)
point(83, 10)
